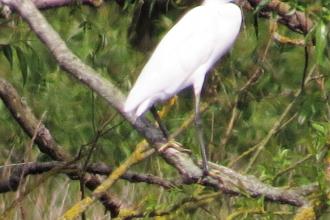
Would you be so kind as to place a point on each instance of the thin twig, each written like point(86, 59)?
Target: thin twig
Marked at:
point(292, 166)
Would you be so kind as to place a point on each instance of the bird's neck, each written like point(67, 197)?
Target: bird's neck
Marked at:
point(206, 2)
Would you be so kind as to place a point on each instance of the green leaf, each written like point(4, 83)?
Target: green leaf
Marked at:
point(321, 42)
point(35, 65)
point(101, 44)
point(22, 63)
point(256, 25)
point(319, 127)
point(8, 52)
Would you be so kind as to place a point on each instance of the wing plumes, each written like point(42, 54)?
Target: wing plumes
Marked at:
point(136, 109)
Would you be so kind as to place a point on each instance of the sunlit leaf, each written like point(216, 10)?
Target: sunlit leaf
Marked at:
point(321, 42)
point(320, 128)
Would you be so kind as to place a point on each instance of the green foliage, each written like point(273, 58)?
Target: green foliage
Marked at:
point(74, 114)
point(321, 42)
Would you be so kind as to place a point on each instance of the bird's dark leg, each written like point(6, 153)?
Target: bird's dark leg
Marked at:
point(159, 122)
point(170, 143)
point(199, 130)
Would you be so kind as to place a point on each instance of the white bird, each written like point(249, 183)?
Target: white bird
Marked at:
point(184, 56)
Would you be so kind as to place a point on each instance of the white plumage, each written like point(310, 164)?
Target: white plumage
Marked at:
point(185, 54)
point(183, 57)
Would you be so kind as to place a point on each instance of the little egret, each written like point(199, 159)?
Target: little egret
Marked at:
point(184, 56)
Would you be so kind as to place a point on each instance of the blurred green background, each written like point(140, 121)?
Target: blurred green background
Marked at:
point(116, 42)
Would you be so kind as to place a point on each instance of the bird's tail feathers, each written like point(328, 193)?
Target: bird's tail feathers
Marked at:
point(131, 108)
point(135, 109)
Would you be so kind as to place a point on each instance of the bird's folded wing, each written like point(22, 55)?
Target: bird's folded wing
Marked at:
point(184, 48)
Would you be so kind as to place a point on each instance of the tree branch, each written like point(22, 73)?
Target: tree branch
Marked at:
point(295, 20)
point(103, 169)
point(20, 171)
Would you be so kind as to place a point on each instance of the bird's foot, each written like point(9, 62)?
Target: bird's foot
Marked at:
point(205, 172)
point(211, 173)
point(205, 168)
point(173, 144)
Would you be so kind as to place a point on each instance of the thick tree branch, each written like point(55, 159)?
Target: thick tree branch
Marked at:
point(222, 178)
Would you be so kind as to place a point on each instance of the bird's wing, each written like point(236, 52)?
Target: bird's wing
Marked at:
point(198, 39)
point(184, 48)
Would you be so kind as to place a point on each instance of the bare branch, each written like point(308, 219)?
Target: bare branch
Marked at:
point(20, 171)
point(103, 169)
